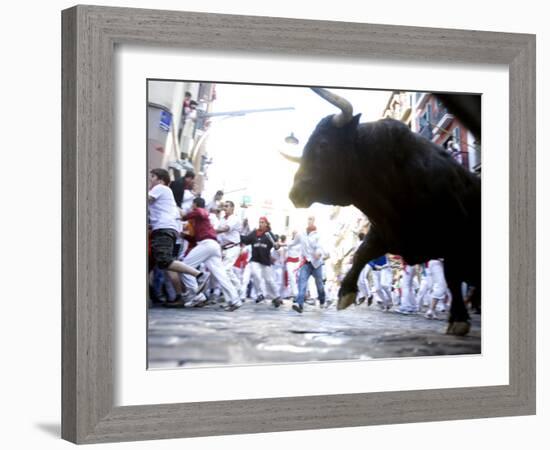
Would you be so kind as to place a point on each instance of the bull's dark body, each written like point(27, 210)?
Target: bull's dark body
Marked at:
point(421, 203)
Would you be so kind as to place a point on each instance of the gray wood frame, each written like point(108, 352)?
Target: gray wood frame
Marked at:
point(89, 36)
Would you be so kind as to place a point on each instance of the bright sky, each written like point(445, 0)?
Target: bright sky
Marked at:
point(245, 150)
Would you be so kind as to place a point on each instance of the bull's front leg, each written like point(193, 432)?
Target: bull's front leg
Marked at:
point(371, 248)
point(459, 319)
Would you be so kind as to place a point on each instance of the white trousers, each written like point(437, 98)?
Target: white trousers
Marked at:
point(363, 282)
point(382, 284)
point(407, 292)
point(422, 297)
point(292, 270)
point(209, 252)
point(279, 278)
point(229, 256)
point(243, 275)
point(439, 287)
point(260, 273)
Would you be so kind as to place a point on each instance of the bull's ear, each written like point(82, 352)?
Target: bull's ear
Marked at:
point(355, 120)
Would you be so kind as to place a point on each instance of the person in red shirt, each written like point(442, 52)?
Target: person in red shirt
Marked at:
point(207, 251)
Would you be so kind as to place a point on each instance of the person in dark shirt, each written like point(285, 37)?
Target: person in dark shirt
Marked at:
point(207, 251)
point(262, 241)
point(182, 188)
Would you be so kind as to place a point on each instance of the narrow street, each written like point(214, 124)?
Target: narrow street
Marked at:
point(259, 334)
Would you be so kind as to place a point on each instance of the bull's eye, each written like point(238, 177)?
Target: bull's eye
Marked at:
point(320, 149)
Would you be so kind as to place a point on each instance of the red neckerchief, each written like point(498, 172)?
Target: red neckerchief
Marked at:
point(311, 228)
point(260, 233)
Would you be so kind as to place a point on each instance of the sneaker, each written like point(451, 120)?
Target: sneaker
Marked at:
point(276, 302)
point(430, 314)
point(310, 301)
point(201, 284)
point(369, 300)
point(197, 301)
point(360, 300)
point(260, 298)
point(233, 306)
point(298, 308)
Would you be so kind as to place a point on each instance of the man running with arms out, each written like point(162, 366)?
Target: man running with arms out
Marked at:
point(163, 219)
point(313, 265)
point(209, 252)
point(229, 238)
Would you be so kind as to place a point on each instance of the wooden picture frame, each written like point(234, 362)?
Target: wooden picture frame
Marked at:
point(90, 34)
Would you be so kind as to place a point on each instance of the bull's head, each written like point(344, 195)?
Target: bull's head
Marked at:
point(324, 172)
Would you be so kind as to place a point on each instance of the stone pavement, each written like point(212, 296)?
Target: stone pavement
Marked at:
point(260, 334)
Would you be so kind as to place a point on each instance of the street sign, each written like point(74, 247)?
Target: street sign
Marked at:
point(165, 120)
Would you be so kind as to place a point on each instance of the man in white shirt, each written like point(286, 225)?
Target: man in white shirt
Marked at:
point(293, 256)
point(313, 255)
point(278, 258)
point(216, 201)
point(229, 237)
point(163, 219)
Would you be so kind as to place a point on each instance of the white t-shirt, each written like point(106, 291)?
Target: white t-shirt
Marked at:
point(294, 248)
point(232, 236)
point(163, 212)
point(187, 201)
point(214, 220)
point(310, 247)
point(278, 257)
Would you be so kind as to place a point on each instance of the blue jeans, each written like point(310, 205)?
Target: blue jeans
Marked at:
point(306, 271)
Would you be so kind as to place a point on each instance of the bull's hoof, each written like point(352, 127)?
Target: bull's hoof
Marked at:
point(458, 328)
point(346, 300)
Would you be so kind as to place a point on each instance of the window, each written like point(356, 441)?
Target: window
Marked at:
point(456, 134)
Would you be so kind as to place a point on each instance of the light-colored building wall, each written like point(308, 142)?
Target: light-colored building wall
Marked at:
point(165, 146)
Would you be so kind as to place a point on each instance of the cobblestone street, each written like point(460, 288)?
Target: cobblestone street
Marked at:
point(258, 333)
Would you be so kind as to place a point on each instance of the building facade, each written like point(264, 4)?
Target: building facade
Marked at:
point(432, 120)
point(177, 124)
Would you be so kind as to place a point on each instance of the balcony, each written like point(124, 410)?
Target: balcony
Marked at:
point(440, 126)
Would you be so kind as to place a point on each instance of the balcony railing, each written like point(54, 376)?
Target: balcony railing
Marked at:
point(439, 115)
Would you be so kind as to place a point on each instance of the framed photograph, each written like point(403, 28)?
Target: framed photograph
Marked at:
point(197, 145)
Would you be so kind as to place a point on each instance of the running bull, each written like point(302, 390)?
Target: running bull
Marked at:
point(420, 202)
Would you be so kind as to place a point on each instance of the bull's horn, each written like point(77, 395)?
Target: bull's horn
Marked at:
point(294, 159)
point(341, 119)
